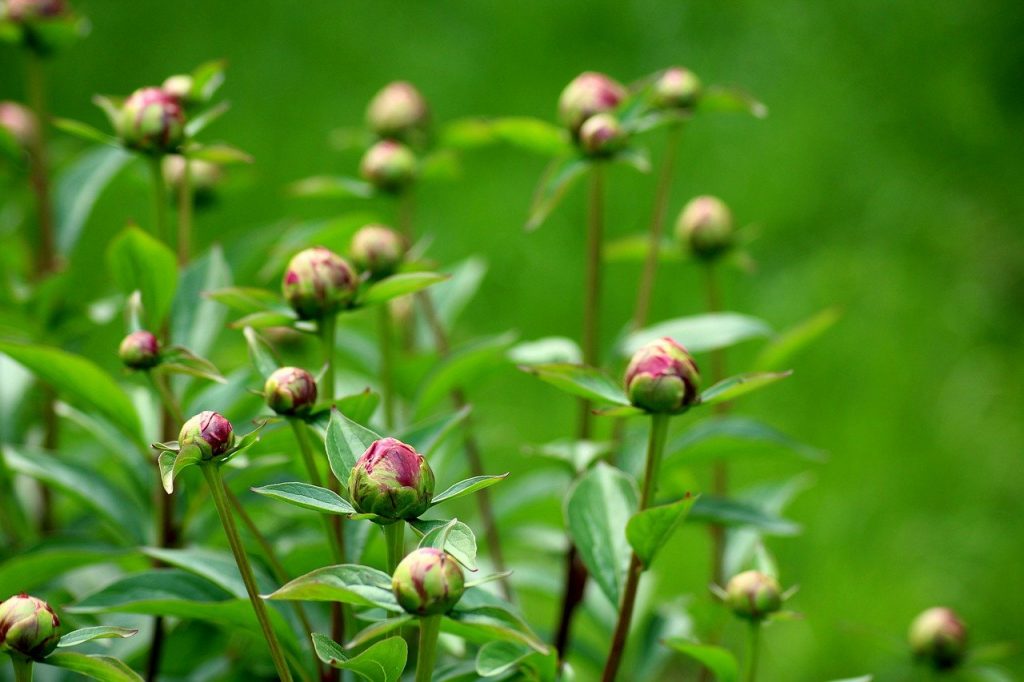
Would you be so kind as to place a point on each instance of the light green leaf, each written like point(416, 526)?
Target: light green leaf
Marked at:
point(31, 569)
point(216, 566)
point(583, 382)
point(197, 320)
point(260, 353)
point(359, 407)
point(103, 668)
point(729, 512)
point(426, 436)
point(648, 531)
point(83, 635)
point(481, 629)
point(700, 333)
point(721, 438)
point(790, 342)
point(495, 658)
point(345, 583)
point(138, 261)
point(577, 454)
point(451, 296)
point(718, 98)
point(633, 249)
point(549, 350)
point(84, 131)
point(530, 134)
point(308, 497)
point(734, 387)
point(718, 660)
point(463, 367)
point(79, 186)
point(186, 457)
point(557, 181)
point(220, 154)
point(381, 662)
point(399, 285)
point(377, 630)
point(459, 540)
point(330, 187)
point(265, 319)
point(346, 442)
point(467, 487)
point(248, 299)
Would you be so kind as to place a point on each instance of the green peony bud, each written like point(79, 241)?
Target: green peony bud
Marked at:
point(378, 250)
point(290, 391)
point(319, 282)
point(152, 121)
point(210, 432)
point(939, 638)
point(676, 88)
point(705, 227)
point(398, 111)
point(179, 86)
point(139, 350)
point(601, 135)
point(588, 94)
point(388, 165)
point(391, 480)
point(753, 595)
point(203, 176)
point(662, 378)
point(428, 582)
point(20, 122)
point(28, 627)
point(30, 10)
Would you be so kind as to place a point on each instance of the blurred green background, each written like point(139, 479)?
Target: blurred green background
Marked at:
point(886, 181)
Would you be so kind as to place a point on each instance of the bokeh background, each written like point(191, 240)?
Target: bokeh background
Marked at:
point(887, 181)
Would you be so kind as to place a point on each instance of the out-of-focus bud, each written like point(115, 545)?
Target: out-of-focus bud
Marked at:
point(705, 226)
point(139, 350)
point(28, 627)
point(388, 165)
point(588, 94)
point(939, 638)
point(28, 10)
point(391, 480)
point(398, 111)
point(179, 86)
point(203, 176)
point(290, 391)
point(601, 135)
point(208, 431)
point(662, 378)
point(428, 582)
point(377, 249)
point(152, 121)
point(753, 595)
point(19, 122)
point(318, 283)
point(676, 88)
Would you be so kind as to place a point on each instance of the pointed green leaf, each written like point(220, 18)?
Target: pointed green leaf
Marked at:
point(346, 442)
point(496, 658)
point(459, 540)
point(139, 261)
point(378, 629)
point(330, 187)
point(346, 583)
point(84, 131)
point(467, 487)
point(308, 497)
point(721, 438)
point(790, 342)
point(260, 353)
point(198, 124)
point(648, 531)
point(79, 186)
point(583, 382)
point(220, 154)
point(165, 462)
point(700, 333)
point(557, 181)
point(463, 367)
point(482, 629)
point(381, 662)
point(103, 668)
point(718, 660)
point(30, 569)
point(186, 457)
point(217, 566)
point(196, 321)
point(549, 350)
point(728, 512)
point(734, 387)
point(400, 285)
point(83, 635)
point(426, 436)
point(248, 299)
point(718, 98)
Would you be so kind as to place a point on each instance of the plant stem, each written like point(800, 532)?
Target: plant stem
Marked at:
point(430, 627)
point(185, 212)
point(655, 446)
point(160, 200)
point(387, 364)
point(755, 651)
point(328, 327)
point(216, 484)
point(575, 572)
point(22, 668)
point(720, 472)
point(167, 399)
point(306, 449)
point(394, 538)
point(657, 228)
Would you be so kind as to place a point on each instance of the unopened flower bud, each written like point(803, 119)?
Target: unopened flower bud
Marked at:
point(388, 165)
point(19, 122)
point(588, 94)
point(139, 350)
point(705, 226)
point(601, 135)
point(28, 10)
point(662, 378)
point(428, 582)
point(676, 88)
point(753, 595)
point(28, 627)
point(208, 431)
point(152, 121)
point(290, 391)
point(318, 283)
point(378, 250)
point(938, 637)
point(398, 111)
point(203, 176)
point(179, 86)
point(391, 480)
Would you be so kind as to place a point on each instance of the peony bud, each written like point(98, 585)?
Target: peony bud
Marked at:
point(210, 432)
point(20, 122)
point(203, 176)
point(378, 250)
point(705, 227)
point(588, 94)
point(152, 121)
point(290, 391)
point(938, 637)
point(601, 135)
point(28, 10)
point(179, 86)
point(676, 88)
point(391, 480)
point(319, 282)
point(753, 595)
point(428, 582)
point(388, 165)
point(662, 378)
point(28, 627)
point(139, 350)
point(398, 111)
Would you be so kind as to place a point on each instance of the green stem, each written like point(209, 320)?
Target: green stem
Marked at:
point(46, 260)
point(755, 651)
point(306, 449)
point(185, 213)
point(720, 471)
point(394, 538)
point(167, 399)
point(22, 668)
point(655, 447)
point(387, 364)
point(430, 627)
point(216, 484)
point(160, 200)
point(328, 327)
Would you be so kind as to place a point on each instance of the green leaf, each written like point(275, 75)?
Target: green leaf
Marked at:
point(95, 667)
point(633, 249)
point(207, 79)
point(165, 464)
point(345, 583)
point(482, 629)
point(260, 353)
point(577, 454)
point(359, 407)
point(381, 662)
point(699, 333)
point(77, 189)
point(28, 570)
point(426, 436)
point(467, 487)
point(198, 124)
point(596, 510)
point(549, 350)
point(248, 299)
point(458, 539)
point(216, 566)
point(138, 261)
point(530, 134)
point(496, 658)
point(734, 387)
point(84, 635)
point(84, 131)
point(220, 154)
point(378, 629)
point(729, 512)
point(718, 660)
point(648, 531)
point(111, 107)
point(186, 457)
point(330, 187)
point(463, 367)
point(790, 342)
point(553, 187)
point(451, 296)
point(308, 497)
point(728, 437)
point(724, 99)
point(195, 320)
point(81, 381)
point(583, 382)
point(346, 442)
point(262, 320)
point(399, 285)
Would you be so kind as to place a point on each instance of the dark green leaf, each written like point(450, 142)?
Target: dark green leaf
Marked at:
point(141, 262)
point(381, 662)
point(467, 487)
point(346, 583)
point(495, 658)
point(463, 367)
point(216, 566)
point(735, 513)
point(718, 660)
point(103, 668)
point(583, 382)
point(346, 442)
point(359, 407)
point(734, 387)
point(30, 569)
point(726, 437)
point(699, 333)
point(196, 320)
point(84, 635)
point(482, 629)
point(649, 530)
point(308, 497)
point(79, 186)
